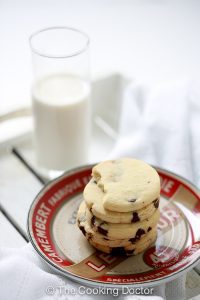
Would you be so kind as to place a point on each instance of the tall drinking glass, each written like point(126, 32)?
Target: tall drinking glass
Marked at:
point(61, 97)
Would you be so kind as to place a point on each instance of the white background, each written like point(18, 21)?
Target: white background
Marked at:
point(152, 41)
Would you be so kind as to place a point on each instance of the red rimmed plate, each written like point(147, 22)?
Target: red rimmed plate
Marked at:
point(54, 234)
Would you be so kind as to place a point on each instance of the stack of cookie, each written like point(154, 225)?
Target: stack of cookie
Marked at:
point(119, 214)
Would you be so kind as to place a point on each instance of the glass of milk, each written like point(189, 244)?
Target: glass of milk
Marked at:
point(61, 98)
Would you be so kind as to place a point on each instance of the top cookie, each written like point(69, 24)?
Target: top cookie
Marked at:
point(127, 184)
point(93, 197)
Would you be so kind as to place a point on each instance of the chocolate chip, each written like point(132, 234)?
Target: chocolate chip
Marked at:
point(132, 200)
point(156, 203)
point(130, 252)
point(121, 251)
point(118, 251)
point(83, 230)
point(133, 240)
point(89, 236)
point(139, 233)
point(135, 217)
point(103, 223)
point(102, 230)
point(94, 181)
point(149, 229)
point(92, 220)
point(90, 209)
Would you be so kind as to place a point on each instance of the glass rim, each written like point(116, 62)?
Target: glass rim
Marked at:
point(75, 53)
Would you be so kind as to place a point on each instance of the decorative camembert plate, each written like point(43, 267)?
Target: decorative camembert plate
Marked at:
point(55, 236)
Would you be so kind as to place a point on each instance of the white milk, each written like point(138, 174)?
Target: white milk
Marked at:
point(61, 108)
